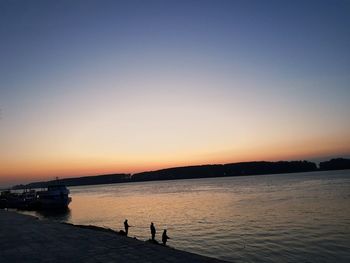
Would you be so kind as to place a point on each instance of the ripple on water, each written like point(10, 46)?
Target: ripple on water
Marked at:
point(273, 218)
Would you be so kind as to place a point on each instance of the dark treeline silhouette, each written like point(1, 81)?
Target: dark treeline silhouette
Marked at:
point(335, 164)
point(203, 171)
point(86, 180)
point(220, 170)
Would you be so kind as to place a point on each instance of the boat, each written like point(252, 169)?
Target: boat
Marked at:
point(25, 201)
point(56, 196)
point(7, 199)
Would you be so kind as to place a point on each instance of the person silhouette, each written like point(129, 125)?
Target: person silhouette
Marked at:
point(153, 231)
point(165, 237)
point(126, 226)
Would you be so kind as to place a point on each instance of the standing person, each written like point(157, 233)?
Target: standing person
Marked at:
point(126, 226)
point(153, 231)
point(165, 237)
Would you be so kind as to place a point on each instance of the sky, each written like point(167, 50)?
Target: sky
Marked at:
point(92, 87)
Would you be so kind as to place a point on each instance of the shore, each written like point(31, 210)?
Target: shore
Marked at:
point(25, 238)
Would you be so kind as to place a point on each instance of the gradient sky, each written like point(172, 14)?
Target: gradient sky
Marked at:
point(90, 87)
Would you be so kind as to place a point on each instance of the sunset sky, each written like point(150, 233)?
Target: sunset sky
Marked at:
point(91, 87)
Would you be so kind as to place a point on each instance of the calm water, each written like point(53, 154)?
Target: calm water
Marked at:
point(271, 218)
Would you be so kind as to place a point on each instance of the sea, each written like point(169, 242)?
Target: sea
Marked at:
point(299, 217)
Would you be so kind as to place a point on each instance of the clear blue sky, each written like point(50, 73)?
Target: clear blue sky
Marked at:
point(101, 86)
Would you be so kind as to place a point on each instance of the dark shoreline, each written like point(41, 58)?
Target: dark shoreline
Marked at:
point(202, 171)
point(27, 237)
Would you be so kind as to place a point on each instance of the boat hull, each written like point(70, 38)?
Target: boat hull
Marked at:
point(56, 197)
point(49, 204)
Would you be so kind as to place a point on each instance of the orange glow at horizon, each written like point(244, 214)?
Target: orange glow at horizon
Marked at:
point(123, 88)
point(46, 169)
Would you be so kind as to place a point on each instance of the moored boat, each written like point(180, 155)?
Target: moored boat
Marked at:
point(55, 197)
point(25, 200)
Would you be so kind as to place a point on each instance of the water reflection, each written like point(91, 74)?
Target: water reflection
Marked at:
point(62, 215)
point(273, 218)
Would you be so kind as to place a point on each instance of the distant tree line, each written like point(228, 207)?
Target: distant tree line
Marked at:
point(221, 170)
point(335, 164)
point(202, 171)
point(86, 180)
